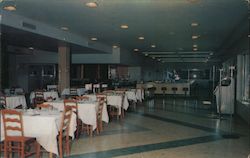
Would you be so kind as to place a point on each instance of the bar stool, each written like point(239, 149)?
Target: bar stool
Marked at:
point(152, 90)
point(185, 89)
point(164, 89)
point(174, 89)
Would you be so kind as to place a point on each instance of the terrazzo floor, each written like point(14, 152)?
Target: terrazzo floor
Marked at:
point(167, 128)
point(159, 129)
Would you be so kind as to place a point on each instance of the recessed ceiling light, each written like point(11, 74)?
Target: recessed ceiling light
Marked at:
point(64, 28)
point(146, 54)
point(159, 59)
point(115, 46)
point(136, 50)
point(31, 48)
point(91, 4)
point(93, 39)
point(211, 53)
point(195, 45)
point(248, 36)
point(195, 49)
point(9, 8)
point(153, 45)
point(124, 26)
point(195, 36)
point(141, 38)
point(194, 24)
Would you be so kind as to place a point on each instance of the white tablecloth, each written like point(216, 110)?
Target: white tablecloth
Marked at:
point(131, 94)
point(14, 101)
point(86, 111)
point(17, 90)
point(80, 91)
point(44, 128)
point(53, 94)
point(114, 100)
point(140, 94)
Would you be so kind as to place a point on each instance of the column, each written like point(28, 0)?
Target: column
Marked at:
point(63, 66)
point(0, 58)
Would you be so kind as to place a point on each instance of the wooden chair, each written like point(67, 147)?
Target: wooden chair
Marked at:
point(2, 102)
point(44, 106)
point(73, 104)
point(73, 92)
point(114, 111)
point(102, 99)
point(63, 137)
point(39, 97)
point(81, 98)
point(13, 121)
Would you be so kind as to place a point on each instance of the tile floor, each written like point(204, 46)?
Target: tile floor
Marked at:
point(159, 129)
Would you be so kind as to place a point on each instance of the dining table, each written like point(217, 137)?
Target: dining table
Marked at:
point(80, 91)
point(46, 94)
point(115, 100)
point(12, 101)
point(86, 111)
point(44, 125)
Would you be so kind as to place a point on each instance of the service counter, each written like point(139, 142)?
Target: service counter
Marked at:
point(169, 86)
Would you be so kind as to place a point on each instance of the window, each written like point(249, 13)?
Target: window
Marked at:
point(243, 78)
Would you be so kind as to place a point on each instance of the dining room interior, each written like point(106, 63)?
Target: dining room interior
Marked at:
point(125, 79)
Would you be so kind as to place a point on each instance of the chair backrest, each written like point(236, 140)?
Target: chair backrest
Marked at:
point(163, 88)
point(101, 101)
point(81, 98)
point(64, 129)
point(39, 94)
point(12, 90)
point(2, 102)
point(39, 97)
point(13, 123)
point(72, 104)
point(73, 91)
point(44, 106)
point(122, 93)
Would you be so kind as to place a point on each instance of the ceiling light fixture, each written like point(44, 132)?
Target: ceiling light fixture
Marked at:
point(124, 26)
point(195, 45)
point(91, 4)
point(10, 8)
point(136, 50)
point(64, 28)
point(153, 46)
point(194, 24)
point(146, 54)
point(93, 39)
point(195, 36)
point(31, 48)
point(195, 49)
point(141, 38)
point(115, 46)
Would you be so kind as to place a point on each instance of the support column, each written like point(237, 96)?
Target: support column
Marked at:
point(1, 58)
point(63, 66)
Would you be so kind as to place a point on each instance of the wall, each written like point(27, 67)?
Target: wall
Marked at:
point(134, 73)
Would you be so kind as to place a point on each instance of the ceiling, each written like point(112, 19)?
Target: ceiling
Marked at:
point(164, 23)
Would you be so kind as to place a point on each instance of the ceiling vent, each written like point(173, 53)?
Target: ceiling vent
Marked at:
point(29, 26)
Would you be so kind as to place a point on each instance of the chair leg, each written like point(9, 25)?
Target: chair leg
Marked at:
point(38, 150)
point(5, 149)
point(60, 148)
point(22, 150)
point(67, 146)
